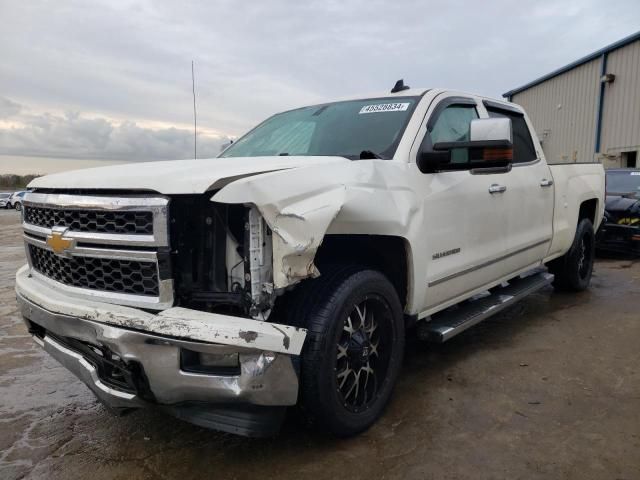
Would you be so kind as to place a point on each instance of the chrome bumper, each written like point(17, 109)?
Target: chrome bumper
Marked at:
point(266, 377)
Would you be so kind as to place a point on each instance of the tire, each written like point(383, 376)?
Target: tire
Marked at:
point(353, 351)
point(17, 206)
point(573, 270)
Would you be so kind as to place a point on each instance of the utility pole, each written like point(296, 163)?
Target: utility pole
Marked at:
point(195, 125)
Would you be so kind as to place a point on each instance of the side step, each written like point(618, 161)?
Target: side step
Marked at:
point(454, 320)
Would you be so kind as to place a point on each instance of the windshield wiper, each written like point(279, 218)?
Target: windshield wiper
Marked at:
point(368, 155)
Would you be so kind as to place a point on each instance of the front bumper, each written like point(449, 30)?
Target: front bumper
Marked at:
point(149, 348)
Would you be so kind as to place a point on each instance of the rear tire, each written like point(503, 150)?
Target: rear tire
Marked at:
point(17, 206)
point(573, 270)
point(353, 351)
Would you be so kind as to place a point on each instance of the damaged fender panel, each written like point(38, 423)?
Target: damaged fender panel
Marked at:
point(298, 222)
point(301, 205)
point(175, 322)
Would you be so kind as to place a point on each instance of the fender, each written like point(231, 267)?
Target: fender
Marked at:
point(302, 205)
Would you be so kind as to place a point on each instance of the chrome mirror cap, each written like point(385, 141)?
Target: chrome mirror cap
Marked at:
point(491, 130)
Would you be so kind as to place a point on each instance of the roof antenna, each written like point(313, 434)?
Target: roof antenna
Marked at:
point(195, 125)
point(400, 86)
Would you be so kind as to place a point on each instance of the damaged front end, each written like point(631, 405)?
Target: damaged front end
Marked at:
point(221, 257)
point(219, 371)
point(211, 358)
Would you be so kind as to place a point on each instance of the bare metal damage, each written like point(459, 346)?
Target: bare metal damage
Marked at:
point(298, 226)
point(301, 206)
point(174, 322)
point(265, 377)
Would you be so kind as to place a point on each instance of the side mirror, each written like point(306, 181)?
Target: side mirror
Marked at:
point(433, 161)
point(491, 142)
point(490, 145)
point(491, 131)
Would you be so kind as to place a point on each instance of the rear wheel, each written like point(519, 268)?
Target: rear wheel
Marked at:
point(573, 270)
point(354, 349)
point(17, 206)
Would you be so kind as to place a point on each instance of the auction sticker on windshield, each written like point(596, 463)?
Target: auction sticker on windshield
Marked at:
point(384, 107)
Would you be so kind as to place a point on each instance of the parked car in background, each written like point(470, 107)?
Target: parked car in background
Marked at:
point(15, 201)
point(620, 231)
point(4, 200)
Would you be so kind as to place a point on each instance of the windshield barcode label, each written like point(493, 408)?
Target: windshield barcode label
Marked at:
point(384, 107)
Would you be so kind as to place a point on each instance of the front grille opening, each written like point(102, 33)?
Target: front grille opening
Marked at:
point(109, 275)
point(93, 221)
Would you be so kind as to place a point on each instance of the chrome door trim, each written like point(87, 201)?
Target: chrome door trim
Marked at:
point(495, 188)
point(546, 183)
point(487, 263)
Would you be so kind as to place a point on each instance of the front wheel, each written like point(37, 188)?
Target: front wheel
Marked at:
point(354, 349)
point(573, 270)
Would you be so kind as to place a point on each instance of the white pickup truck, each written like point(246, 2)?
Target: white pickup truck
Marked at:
point(288, 270)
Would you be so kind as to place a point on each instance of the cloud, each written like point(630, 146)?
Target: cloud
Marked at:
point(8, 108)
point(74, 135)
point(126, 65)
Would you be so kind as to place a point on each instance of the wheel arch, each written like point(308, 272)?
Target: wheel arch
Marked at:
point(391, 255)
point(588, 209)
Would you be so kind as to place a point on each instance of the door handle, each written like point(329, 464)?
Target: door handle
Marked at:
point(495, 188)
point(546, 183)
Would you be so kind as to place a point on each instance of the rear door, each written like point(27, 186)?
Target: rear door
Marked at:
point(530, 194)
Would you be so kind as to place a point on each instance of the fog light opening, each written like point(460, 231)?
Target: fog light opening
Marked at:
point(209, 363)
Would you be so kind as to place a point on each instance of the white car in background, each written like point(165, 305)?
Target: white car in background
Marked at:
point(15, 200)
point(4, 200)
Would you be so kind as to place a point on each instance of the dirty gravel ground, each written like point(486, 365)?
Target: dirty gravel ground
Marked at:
point(549, 389)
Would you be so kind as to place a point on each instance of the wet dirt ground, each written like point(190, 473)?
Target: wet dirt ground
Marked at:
point(549, 389)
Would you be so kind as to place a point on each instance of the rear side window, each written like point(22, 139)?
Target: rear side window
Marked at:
point(523, 149)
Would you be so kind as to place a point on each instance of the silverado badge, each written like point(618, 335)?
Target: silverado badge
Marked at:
point(58, 243)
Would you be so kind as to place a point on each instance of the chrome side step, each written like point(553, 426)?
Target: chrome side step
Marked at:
point(454, 320)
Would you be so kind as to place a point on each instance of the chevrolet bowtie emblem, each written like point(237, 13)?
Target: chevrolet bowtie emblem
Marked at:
point(58, 243)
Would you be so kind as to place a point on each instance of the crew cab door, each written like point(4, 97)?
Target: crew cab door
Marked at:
point(464, 228)
point(529, 195)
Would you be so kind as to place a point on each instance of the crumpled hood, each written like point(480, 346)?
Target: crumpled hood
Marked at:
point(176, 176)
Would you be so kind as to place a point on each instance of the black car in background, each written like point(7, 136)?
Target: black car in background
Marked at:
point(620, 230)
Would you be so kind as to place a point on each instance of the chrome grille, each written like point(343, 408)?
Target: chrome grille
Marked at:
point(113, 249)
point(110, 275)
point(130, 222)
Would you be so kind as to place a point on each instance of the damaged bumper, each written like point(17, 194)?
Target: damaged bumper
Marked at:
point(218, 371)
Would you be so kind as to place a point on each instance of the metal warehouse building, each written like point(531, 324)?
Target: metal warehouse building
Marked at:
point(590, 109)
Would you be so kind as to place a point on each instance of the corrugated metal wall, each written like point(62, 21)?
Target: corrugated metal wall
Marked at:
point(621, 114)
point(563, 110)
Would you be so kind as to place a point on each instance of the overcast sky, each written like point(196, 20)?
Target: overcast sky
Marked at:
point(112, 80)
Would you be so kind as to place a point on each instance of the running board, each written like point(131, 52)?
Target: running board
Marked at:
point(452, 321)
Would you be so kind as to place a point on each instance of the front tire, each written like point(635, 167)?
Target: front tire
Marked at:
point(573, 270)
point(354, 349)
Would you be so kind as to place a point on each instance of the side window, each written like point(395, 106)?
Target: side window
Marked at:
point(523, 149)
point(453, 125)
